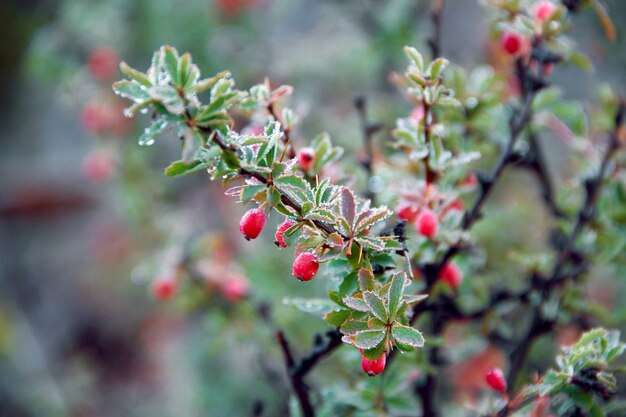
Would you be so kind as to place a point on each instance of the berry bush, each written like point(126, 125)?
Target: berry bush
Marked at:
point(407, 275)
point(460, 254)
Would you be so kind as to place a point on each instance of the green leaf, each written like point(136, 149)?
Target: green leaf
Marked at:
point(375, 352)
point(135, 75)
point(207, 84)
point(396, 290)
point(581, 61)
point(292, 235)
point(369, 339)
point(249, 191)
point(407, 335)
point(371, 242)
point(356, 304)
point(170, 59)
point(352, 327)
point(149, 134)
point(177, 168)
point(415, 56)
point(337, 318)
point(437, 67)
point(376, 306)
point(131, 90)
point(366, 280)
point(312, 242)
point(349, 285)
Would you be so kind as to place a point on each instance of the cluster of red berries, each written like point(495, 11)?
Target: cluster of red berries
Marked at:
point(306, 264)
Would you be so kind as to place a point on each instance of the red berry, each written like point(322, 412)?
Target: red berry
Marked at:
point(102, 63)
point(164, 288)
point(235, 288)
point(279, 239)
point(305, 266)
point(511, 42)
point(544, 10)
point(455, 204)
point(93, 118)
point(471, 180)
point(306, 156)
point(451, 274)
point(252, 223)
point(98, 166)
point(495, 379)
point(427, 223)
point(374, 367)
point(408, 212)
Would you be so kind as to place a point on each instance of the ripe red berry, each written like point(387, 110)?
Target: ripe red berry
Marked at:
point(164, 288)
point(408, 212)
point(544, 10)
point(427, 223)
point(374, 367)
point(511, 42)
point(451, 274)
point(306, 156)
point(102, 63)
point(98, 166)
point(305, 266)
point(279, 239)
point(252, 223)
point(495, 379)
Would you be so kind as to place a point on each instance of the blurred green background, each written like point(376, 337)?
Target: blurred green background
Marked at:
point(80, 333)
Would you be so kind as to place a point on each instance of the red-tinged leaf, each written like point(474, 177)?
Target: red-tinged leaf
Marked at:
point(348, 206)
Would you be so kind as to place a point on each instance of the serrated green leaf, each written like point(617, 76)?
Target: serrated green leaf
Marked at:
point(376, 306)
point(407, 335)
point(312, 242)
point(131, 90)
point(352, 326)
point(134, 74)
point(250, 191)
point(396, 291)
point(369, 339)
point(356, 304)
point(177, 168)
point(371, 242)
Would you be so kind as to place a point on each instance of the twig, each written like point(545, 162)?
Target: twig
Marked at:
point(298, 370)
point(593, 188)
point(537, 164)
point(435, 41)
point(299, 387)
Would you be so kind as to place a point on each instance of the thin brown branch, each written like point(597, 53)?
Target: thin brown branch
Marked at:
point(435, 40)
